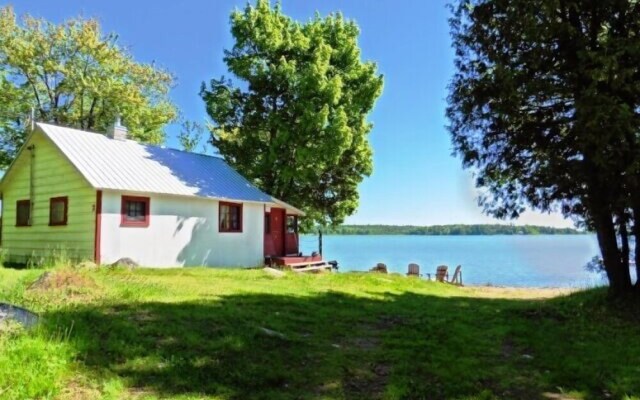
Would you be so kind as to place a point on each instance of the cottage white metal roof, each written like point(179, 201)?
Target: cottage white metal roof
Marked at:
point(127, 165)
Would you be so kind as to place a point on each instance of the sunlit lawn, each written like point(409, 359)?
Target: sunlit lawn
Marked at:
point(237, 334)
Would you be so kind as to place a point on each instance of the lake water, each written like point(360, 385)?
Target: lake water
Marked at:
point(541, 260)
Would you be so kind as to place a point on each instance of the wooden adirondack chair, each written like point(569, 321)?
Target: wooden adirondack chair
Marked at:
point(457, 276)
point(414, 270)
point(441, 273)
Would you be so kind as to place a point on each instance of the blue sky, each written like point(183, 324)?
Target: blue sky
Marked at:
point(416, 180)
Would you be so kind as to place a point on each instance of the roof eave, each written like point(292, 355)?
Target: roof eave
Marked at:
point(293, 210)
point(15, 159)
point(191, 196)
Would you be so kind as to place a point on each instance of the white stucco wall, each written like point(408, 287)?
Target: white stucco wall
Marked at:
point(182, 231)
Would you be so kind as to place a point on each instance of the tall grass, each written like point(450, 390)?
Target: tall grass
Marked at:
point(49, 357)
point(3, 257)
point(56, 257)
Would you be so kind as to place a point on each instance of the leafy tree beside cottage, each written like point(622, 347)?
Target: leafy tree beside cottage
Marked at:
point(74, 75)
point(294, 118)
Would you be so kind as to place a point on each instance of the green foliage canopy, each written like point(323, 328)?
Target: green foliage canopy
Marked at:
point(545, 108)
point(73, 75)
point(296, 122)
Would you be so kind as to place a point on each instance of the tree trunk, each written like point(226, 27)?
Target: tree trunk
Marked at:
point(636, 234)
point(624, 239)
point(619, 278)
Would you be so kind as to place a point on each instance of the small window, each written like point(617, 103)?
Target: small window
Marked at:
point(267, 223)
point(230, 217)
point(23, 213)
point(135, 211)
point(58, 211)
point(292, 224)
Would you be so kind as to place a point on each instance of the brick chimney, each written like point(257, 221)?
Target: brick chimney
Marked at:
point(117, 130)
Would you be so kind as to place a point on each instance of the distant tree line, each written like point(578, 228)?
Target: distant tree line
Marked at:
point(457, 229)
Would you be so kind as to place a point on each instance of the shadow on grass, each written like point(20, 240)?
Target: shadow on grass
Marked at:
point(338, 346)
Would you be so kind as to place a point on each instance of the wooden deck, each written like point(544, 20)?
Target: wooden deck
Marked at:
point(313, 263)
point(324, 267)
point(296, 260)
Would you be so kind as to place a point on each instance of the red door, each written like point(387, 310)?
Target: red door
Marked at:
point(277, 230)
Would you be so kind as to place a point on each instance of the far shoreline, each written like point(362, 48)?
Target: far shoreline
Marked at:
point(447, 230)
point(449, 234)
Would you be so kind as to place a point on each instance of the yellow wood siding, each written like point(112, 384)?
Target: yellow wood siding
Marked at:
point(54, 176)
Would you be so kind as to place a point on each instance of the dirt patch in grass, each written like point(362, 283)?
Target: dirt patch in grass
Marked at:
point(366, 343)
point(508, 348)
point(369, 381)
point(74, 390)
point(497, 292)
point(64, 285)
point(544, 314)
point(386, 322)
point(62, 279)
point(558, 396)
point(143, 316)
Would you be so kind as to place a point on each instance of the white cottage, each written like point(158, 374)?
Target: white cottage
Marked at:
point(103, 197)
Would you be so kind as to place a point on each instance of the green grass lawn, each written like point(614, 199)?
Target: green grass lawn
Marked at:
point(200, 333)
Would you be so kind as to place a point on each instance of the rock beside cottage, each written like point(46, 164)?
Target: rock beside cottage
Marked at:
point(380, 268)
point(21, 315)
point(125, 262)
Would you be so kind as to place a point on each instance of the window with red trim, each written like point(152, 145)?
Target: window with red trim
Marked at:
point(23, 213)
point(58, 210)
point(230, 217)
point(135, 211)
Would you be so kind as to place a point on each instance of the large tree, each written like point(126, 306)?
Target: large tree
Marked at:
point(545, 109)
point(294, 119)
point(73, 75)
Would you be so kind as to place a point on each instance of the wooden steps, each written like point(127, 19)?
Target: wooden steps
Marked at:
point(300, 263)
point(324, 267)
point(309, 266)
point(304, 264)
